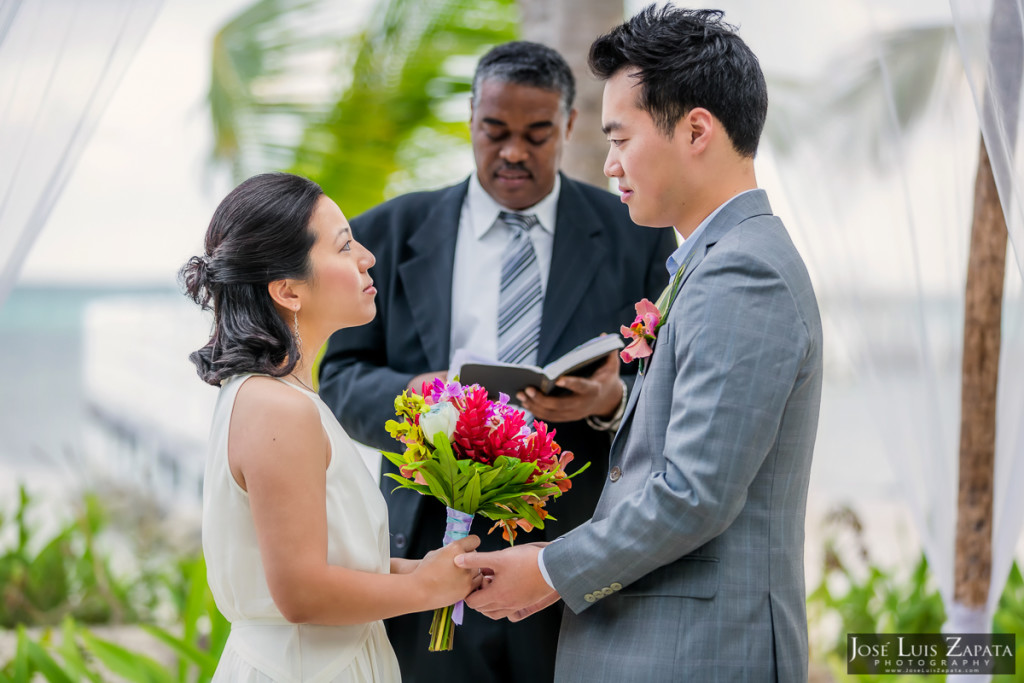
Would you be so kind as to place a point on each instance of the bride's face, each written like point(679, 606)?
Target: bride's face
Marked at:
point(340, 293)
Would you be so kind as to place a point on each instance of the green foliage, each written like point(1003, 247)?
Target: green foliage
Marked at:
point(405, 72)
point(499, 491)
point(69, 582)
point(860, 596)
point(390, 127)
point(857, 595)
point(1009, 616)
point(67, 576)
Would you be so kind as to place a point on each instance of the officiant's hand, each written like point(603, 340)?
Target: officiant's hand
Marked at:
point(416, 383)
point(513, 586)
point(598, 395)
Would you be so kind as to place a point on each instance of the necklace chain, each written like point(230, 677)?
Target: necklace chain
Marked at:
point(292, 374)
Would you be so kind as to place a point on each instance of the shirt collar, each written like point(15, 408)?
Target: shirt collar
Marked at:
point(483, 210)
point(682, 252)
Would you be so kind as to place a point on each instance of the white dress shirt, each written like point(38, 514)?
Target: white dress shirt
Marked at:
point(479, 248)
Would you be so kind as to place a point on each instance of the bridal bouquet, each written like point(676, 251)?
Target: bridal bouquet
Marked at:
point(478, 457)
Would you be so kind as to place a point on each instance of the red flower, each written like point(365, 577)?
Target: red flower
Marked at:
point(540, 446)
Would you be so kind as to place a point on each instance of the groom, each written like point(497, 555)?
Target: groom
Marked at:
point(692, 565)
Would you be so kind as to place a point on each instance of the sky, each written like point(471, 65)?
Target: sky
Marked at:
point(140, 198)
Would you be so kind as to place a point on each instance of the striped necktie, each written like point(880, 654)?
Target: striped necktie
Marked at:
point(521, 297)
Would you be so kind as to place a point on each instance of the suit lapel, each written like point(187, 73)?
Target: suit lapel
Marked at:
point(623, 432)
point(575, 258)
point(737, 211)
point(426, 274)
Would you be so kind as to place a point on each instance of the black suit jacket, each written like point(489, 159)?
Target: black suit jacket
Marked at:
point(601, 265)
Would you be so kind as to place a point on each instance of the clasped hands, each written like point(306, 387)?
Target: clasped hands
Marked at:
point(512, 586)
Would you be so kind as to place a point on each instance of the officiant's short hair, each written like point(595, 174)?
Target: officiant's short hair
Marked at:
point(525, 63)
point(686, 59)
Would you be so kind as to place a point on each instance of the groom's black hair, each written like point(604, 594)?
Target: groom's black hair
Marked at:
point(686, 59)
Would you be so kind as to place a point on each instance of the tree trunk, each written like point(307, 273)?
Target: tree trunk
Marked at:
point(986, 271)
point(570, 26)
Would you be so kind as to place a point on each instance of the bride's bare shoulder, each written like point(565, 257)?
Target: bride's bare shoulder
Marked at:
point(266, 407)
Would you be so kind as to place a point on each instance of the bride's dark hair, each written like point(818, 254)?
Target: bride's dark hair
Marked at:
point(259, 233)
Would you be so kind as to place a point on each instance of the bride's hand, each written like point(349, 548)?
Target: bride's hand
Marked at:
point(442, 583)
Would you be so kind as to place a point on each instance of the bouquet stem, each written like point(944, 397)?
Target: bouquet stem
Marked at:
point(442, 628)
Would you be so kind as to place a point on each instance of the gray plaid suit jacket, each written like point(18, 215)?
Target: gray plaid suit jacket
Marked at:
point(691, 568)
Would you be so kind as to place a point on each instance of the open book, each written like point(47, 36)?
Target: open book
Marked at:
point(510, 378)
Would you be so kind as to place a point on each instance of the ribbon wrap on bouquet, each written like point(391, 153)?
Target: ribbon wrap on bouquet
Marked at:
point(457, 527)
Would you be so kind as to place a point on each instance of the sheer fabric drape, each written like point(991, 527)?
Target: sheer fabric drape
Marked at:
point(60, 61)
point(870, 156)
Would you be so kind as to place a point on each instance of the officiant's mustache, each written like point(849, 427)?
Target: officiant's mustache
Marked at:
point(515, 168)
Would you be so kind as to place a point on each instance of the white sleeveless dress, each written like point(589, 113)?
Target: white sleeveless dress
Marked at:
point(263, 646)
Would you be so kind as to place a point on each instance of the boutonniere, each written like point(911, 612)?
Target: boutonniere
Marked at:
point(642, 332)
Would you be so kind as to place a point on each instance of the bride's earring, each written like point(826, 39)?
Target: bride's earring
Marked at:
point(298, 338)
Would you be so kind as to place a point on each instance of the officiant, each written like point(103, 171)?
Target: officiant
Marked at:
point(518, 263)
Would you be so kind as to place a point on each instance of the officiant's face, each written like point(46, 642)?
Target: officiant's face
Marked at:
point(518, 132)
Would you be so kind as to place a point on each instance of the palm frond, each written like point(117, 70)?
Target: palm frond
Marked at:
point(396, 102)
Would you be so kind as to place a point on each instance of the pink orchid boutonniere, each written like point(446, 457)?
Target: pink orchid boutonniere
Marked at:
point(642, 332)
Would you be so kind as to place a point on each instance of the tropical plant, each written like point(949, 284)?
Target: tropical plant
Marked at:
point(399, 123)
point(42, 582)
point(857, 594)
point(69, 583)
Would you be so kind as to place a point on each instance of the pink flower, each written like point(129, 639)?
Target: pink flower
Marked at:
point(649, 314)
point(639, 348)
point(641, 332)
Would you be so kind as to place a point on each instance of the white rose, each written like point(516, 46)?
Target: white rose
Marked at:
point(442, 417)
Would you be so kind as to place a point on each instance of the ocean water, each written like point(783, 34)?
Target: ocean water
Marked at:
point(43, 407)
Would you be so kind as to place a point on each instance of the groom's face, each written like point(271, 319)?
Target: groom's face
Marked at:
point(654, 171)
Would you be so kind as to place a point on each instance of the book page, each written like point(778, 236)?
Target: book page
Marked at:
point(588, 351)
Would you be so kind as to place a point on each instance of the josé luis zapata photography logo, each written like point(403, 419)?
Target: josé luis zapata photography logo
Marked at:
point(931, 653)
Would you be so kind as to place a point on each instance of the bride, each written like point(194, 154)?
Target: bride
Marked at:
point(295, 529)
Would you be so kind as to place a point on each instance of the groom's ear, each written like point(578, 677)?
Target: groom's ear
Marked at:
point(285, 293)
point(698, 125)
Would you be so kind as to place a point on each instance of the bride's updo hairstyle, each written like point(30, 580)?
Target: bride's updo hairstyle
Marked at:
point(260, 233)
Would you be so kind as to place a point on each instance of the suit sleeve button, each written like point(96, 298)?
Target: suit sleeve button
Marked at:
point(616, 586)
point(589, 597)
point(607, 591)
point(614, 473)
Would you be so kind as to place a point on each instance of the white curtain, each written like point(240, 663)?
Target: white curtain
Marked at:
point(870, 156)
point(60, 61)
point(983, 29)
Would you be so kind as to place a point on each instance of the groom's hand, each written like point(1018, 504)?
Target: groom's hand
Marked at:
point(598, 395)
point(514, 586)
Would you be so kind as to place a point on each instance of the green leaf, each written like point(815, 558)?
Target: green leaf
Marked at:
point(47, 665)
point(207, 664)
point(471, 496)
point(488, 477)
point(396, 459)
point(131, 665)
point(522, 472)
point(436, 488)
point(21, 659)
point(446, 459)
point(531, 516)
point(71, 654)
